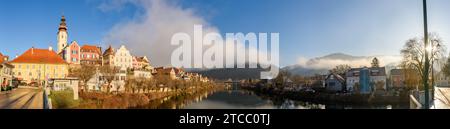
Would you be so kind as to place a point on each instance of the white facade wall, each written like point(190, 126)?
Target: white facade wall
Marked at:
point(123, 58)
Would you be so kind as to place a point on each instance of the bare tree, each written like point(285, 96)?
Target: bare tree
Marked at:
point(413, 53)
point(84, 73)
point(109, 74)
point(340, 69)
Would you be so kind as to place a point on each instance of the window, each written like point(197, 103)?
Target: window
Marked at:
point(28, 67)
point(74, 59)
point(19, 74)
point(30, 74)
point(88, 56)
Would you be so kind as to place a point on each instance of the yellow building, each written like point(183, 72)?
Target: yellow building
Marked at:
point(39, 65)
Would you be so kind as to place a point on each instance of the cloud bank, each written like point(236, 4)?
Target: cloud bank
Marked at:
point(150, 33)
point(356, 62)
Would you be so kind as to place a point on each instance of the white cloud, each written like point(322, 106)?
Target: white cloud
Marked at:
point(357, 62)
point(150, 33)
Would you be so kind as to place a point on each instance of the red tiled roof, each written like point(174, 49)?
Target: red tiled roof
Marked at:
point(34, 55)
point(2, 58)
point(90, 48)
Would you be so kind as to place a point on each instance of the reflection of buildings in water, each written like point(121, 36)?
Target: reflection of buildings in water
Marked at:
point(288, 104)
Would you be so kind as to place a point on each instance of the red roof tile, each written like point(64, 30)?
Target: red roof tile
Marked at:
point(90, 48)
point(2, 58)
point(34, 55)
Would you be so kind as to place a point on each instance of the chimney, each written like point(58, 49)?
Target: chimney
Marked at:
point(50, 48)
point(32, 50)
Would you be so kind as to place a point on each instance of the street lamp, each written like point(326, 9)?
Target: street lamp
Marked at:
point(427, 60)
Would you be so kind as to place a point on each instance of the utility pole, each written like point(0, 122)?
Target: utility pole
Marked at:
point(427, 60)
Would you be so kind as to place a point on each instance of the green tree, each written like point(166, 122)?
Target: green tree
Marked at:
point(375, 63)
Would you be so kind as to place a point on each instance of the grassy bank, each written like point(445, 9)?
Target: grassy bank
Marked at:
point(102, 100)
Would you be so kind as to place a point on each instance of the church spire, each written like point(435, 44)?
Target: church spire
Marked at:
point(62, 25)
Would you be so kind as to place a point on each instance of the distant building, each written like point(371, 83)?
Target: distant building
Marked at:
point(161, 71)
point(91, 55)
point(108, 56)
point(121, 57)
point(141, 63)
point(367, 79)
point(334, 83)
point(442, 80)
point(71, 53)
point(39, 65)
point(397, 78)
point(6, 70)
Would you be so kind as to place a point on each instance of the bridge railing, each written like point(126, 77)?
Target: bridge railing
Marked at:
point(47, 101)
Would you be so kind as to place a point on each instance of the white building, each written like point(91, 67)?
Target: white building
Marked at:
point(442, 80)
point(377, 77)
point(123, 58)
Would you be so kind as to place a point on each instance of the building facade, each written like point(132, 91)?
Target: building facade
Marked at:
point(397, 78)
point(6, 68)
point(366, 80)
point(123, 58)
point(39, 65)
point(71, 53)
point(334, 83)
point(91, 55)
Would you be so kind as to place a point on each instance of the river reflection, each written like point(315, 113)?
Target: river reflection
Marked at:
point(243, 99)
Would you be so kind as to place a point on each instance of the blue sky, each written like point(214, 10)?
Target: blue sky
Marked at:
point(308, 28)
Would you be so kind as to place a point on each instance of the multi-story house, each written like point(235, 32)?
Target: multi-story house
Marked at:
point(161, 71)
point(91, 55)
point(71, 53)
point(121, 58)
point(5, 71)
point(397, 78)
point(366, 80)
point(141, 63)
point(39, 65)
point(108, 56)
point(334, 83)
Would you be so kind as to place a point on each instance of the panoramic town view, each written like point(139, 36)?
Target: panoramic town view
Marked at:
point(200, 54)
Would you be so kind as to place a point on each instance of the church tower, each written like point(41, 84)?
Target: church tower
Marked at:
point(62, 35)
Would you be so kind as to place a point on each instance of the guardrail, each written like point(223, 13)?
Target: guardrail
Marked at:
point(413, 103)
point(47, 101)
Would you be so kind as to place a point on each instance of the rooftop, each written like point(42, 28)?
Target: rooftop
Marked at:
point(41, 56)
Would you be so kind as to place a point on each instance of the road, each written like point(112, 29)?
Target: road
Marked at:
point(22, 98)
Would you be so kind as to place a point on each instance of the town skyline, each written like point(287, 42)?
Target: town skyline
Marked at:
point(94, 22)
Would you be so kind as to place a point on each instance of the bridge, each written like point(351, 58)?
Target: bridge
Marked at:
point(22, 98)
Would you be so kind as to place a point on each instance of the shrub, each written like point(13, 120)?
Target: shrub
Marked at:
point(63, 99)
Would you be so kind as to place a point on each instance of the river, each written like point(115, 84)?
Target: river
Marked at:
point(243, 99)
